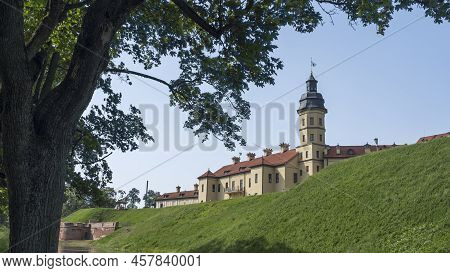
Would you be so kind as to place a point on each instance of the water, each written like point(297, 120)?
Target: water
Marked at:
point(75, 246)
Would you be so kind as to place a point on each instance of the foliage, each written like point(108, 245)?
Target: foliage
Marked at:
point(3, 206)
point(4, 238)
point(394, 200)
point(150, 199)
point(133, 198)
point(105, 198)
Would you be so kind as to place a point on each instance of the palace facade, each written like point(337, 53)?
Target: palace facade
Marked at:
point(280, 171)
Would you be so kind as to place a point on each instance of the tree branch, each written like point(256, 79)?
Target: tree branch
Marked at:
point(126, 71)
point(62, 109)
point(93, 162)
point(46, 27)
point(190, 13)
point(50, 76)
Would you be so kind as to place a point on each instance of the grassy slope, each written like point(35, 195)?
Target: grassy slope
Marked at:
point(393, 200)
point(4, 239)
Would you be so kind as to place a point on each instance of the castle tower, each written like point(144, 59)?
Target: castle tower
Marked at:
point(312, 128)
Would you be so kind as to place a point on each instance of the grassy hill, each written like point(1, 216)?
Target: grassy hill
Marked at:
point(395, 200)
point(3, 239)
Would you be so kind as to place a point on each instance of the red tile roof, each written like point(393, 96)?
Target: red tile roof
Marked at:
point(245, 166)
point(428, 138)
point(178, 195)
point(351, 151)
point(207, 174)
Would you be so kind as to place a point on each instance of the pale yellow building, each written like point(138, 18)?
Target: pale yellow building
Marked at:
point(276, 172)
point(178, 198)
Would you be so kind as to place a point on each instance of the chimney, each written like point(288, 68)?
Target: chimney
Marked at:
point(267, 151)
point(338, 149)
point(367, 148)
point(195, 187)
point(251, 156)
point(178, 188)
point(236, 159)
point(327, 148)
point(284, 147)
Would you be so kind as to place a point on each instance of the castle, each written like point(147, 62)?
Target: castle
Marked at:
point(274, 172)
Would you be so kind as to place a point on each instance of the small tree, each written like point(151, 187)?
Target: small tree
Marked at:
point(150, 199)
point(133, 198)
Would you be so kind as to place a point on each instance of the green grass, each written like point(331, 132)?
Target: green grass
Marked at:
point(395, 200)
point(4, 239)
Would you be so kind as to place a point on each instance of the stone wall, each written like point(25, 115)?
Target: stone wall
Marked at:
point(89, 231)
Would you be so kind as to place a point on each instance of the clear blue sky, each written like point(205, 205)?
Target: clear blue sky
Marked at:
point(396, 90)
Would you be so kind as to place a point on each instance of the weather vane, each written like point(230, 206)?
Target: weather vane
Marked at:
point(313, 64)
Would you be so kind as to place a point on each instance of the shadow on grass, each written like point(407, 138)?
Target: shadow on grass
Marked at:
point(253, 245)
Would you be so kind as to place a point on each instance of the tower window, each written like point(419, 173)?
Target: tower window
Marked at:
point(311, 121)
point(213, 188)
point(295, 178)
point(311, 137)
point(303, 139)
point(232, 185)
point(256, 178)
point(307, 169)
point(270, 178)
point(277, 178)
point(320, 121)
point(203, 188)
point(306, 155)
point(226, 185)
point(318, 168)
point(303, 122)
point(301, 155)
point(249, 182)
point(317, 154)
point(301, 172)
point(218, 188)
point(320, 138)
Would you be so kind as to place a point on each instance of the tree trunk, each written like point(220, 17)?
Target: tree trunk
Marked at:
point(37, 137)
point(35, 201)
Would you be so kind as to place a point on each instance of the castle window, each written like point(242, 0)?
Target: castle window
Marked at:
point(226, 185)
point(277, 178)
point(320, 121)
point(318, 168)
point(303, 139)
point(301, 172)
point(303, 122)
point(311, 121)
point(320, 138)
point(295, 178)
point(256, 178)
point(307, 169)
point(203, 188)
point(218, 188)
point(241, 184)
point(249, 182)
point(317, 154)
point(311, 137)
point(270, 178)
point(232, 185)
point(213, 188)
point(306, 155)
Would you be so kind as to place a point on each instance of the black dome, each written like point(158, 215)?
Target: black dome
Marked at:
point(311, 99)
